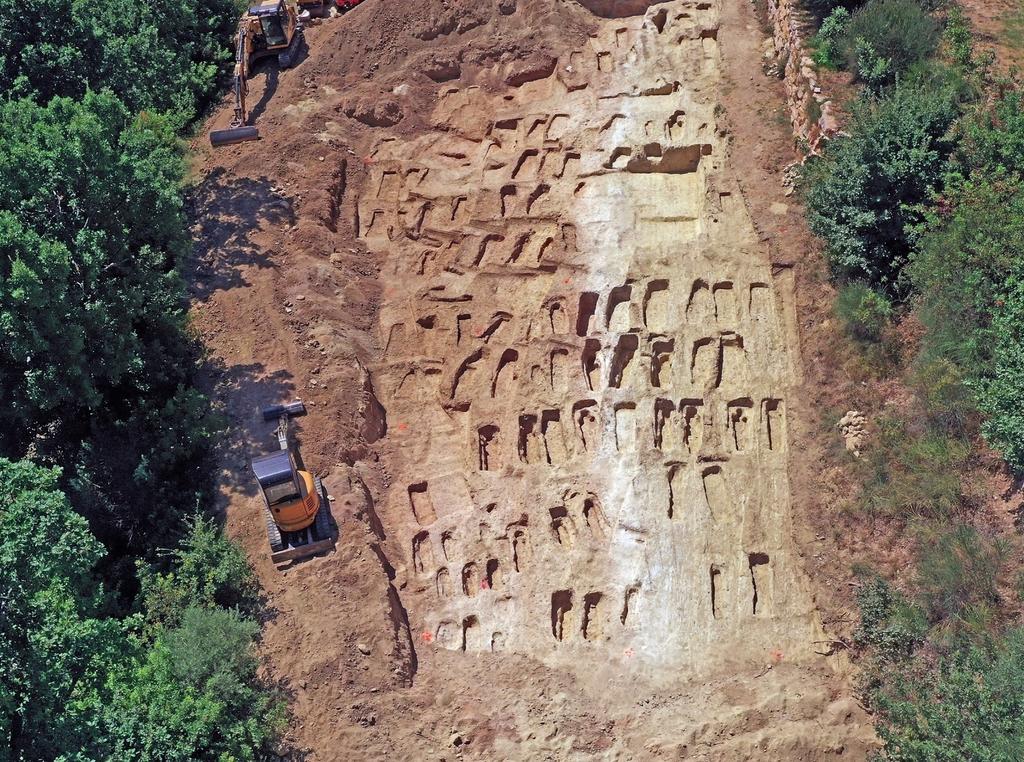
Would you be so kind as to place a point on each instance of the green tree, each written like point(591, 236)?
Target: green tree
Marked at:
point(207, 570)
point(196, 695)
point(865, 196)
point(160, 55)
point(96, 366)
point(58, 657)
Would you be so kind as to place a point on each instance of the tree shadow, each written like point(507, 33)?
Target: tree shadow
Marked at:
point(240, 392)
point(226, 212)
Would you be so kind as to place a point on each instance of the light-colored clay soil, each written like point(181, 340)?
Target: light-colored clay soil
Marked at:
point(507, 256)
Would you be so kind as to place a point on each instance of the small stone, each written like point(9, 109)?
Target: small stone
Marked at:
point(363, 649)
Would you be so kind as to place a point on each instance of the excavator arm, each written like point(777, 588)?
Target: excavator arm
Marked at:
point(238, 132)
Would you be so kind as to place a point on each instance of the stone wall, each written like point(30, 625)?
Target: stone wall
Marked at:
point(810, 111)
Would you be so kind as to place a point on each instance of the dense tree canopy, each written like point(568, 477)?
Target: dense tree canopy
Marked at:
point(78, 684)
point(104, 440)
point(96, 365)
point(58, 656)
point(159, 55)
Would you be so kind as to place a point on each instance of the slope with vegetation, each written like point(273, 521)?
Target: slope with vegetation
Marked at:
point(110, 648)
point(921, 209)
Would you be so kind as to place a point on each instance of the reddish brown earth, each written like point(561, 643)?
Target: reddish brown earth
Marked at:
point(288, 297)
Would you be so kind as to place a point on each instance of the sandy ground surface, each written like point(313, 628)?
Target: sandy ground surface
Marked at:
point(531, 268)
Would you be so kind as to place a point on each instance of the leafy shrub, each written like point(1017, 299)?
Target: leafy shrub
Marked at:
point(207, 570)
point(828, 42)
point(969, 272)
point(865, 195)
point(887, 37)
point(864, 312)
point(891, 629)
point(958, 39)
point(990, 143)
point(1001, 393)
point(888, 623)
point(970, 707)
point(196, 695)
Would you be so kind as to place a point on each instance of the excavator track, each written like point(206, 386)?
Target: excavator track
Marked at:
point(273, 530)
point(322, 526)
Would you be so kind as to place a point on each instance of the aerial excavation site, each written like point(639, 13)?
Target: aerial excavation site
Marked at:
point(504, 253)
point(512, 380)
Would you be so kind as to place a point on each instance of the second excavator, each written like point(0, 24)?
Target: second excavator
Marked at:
point(271, 27)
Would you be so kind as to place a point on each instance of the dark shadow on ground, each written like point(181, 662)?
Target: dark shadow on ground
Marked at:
point(271, 75)
point(239, 393)
point(226, 212)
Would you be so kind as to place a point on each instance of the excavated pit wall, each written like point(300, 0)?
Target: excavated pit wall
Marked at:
point(586, 367)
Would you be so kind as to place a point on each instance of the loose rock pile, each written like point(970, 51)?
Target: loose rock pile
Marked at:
point(853, 427)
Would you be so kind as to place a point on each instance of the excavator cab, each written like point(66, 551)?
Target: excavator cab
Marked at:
point(273, 19)
point(289, 492)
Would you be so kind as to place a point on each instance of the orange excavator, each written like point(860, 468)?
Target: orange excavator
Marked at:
point(295, 505)
point(271, 27)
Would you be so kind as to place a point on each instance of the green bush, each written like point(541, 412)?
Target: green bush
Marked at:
point(1001, 391)
point(971, 707)
point(958, 38)
point(196, 695)
point(888, 623)
point(206, 571)
point(886, 38)
point(864, 312)
point(990, 142)
point(969, 272)
point(828, 42)
point(865, 196)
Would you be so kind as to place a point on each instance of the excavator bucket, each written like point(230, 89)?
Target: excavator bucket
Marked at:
point(273, 412)
point(233, 135)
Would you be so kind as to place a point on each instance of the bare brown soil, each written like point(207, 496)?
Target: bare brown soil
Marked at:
point(426, 635)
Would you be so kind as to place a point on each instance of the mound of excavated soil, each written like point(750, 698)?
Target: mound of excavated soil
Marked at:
point(500, 250)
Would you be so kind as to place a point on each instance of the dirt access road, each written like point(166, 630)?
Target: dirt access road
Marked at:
point(518, 260)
